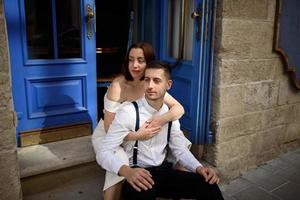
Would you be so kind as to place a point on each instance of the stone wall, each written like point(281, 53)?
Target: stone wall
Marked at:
point(10, 188)
point(255, 106)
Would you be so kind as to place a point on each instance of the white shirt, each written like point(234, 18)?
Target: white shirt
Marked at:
point(151, 152)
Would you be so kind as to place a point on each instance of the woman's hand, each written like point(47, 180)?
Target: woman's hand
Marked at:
point(146, 132)
point(157, 121)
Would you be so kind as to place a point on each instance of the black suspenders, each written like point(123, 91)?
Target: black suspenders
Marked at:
point(137, 126)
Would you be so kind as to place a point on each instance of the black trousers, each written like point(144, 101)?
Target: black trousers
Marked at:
point(175, 184)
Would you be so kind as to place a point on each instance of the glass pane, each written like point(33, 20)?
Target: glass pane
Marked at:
point(68, 22)
point(39, 29)
point(189, 29)
point(173, 27)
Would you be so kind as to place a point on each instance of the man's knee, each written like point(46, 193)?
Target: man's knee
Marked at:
point(210, 191)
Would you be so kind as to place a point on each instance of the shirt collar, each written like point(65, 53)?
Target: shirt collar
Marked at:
point(148, 107)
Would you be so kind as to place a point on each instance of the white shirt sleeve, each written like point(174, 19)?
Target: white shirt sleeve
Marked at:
point(177, 145)
point(111, 106)
point(118, 130)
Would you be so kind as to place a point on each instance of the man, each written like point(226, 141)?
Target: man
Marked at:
point(153, 178)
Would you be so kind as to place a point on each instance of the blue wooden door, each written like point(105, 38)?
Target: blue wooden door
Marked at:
point(186, 39)
point(52, 56)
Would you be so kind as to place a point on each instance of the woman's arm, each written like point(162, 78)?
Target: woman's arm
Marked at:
point(113, 96)
point(144, 133)
point(176, 111)
point(153, 125)
point(108, 118)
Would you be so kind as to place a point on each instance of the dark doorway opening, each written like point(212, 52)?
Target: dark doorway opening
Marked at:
point(112, 23)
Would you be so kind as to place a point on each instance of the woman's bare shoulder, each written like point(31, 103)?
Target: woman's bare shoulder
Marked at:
point(116, 88)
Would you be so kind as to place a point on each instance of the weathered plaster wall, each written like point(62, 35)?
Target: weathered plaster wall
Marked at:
point(10, 188)
point(256, 110)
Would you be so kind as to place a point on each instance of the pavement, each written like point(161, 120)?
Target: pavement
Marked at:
point(278, 179)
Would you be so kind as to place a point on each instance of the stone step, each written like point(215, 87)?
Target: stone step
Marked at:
point(80, 182)
point(39, 159)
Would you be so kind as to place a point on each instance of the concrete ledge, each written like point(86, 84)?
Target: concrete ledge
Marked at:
point(38, 159)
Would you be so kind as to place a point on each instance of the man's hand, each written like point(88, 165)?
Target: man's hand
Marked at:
point(209, 174)
point(138, 178)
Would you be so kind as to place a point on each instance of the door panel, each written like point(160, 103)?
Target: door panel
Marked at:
point(52, 61)
point(70, 99)
point(186, 44)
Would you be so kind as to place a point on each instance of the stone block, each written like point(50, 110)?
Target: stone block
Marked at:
point(245, 9)
point(242, 39)
point(209, 154)
point(229, 128)
point(271, 9)
point(245, 71)
point(280, 70)
point(288, 94)
point(217, 72)
point(293, 132)
point(297, 110)
point(8, 139)
point(215, 102)
point(266, 155)
point(232, 127)
point(290, 146)
point(231, 101)
point(236, 148)
point(260, 96)
point(3, 59)
point(270, 139)
point(10, 187)
point(234, 167)
point(283, 92)
point(293, 95)
point(229, 171)
point(3, 46)
point(1, 8)
point(252, 122)
point(7, 120)
point(279, 116)
point(4, 82)
point(3, 103)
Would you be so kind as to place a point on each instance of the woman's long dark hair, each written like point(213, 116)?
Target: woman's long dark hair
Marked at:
point(148, 54)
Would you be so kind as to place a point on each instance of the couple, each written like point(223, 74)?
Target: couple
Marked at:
point(150, 177)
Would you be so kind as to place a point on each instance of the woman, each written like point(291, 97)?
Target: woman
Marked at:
point(129, 87)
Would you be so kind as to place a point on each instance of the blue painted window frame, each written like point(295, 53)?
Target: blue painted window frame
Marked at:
point(56, 60)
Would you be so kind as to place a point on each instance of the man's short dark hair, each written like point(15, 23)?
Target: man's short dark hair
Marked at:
point(157, 64)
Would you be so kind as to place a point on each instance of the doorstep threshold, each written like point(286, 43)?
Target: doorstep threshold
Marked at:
point(42, 158)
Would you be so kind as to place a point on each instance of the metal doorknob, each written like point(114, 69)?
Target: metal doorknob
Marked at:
point(89, 16)
point(90, 13)
point(194, 15)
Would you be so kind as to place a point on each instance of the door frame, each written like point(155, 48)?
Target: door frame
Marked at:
point(22, 78)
